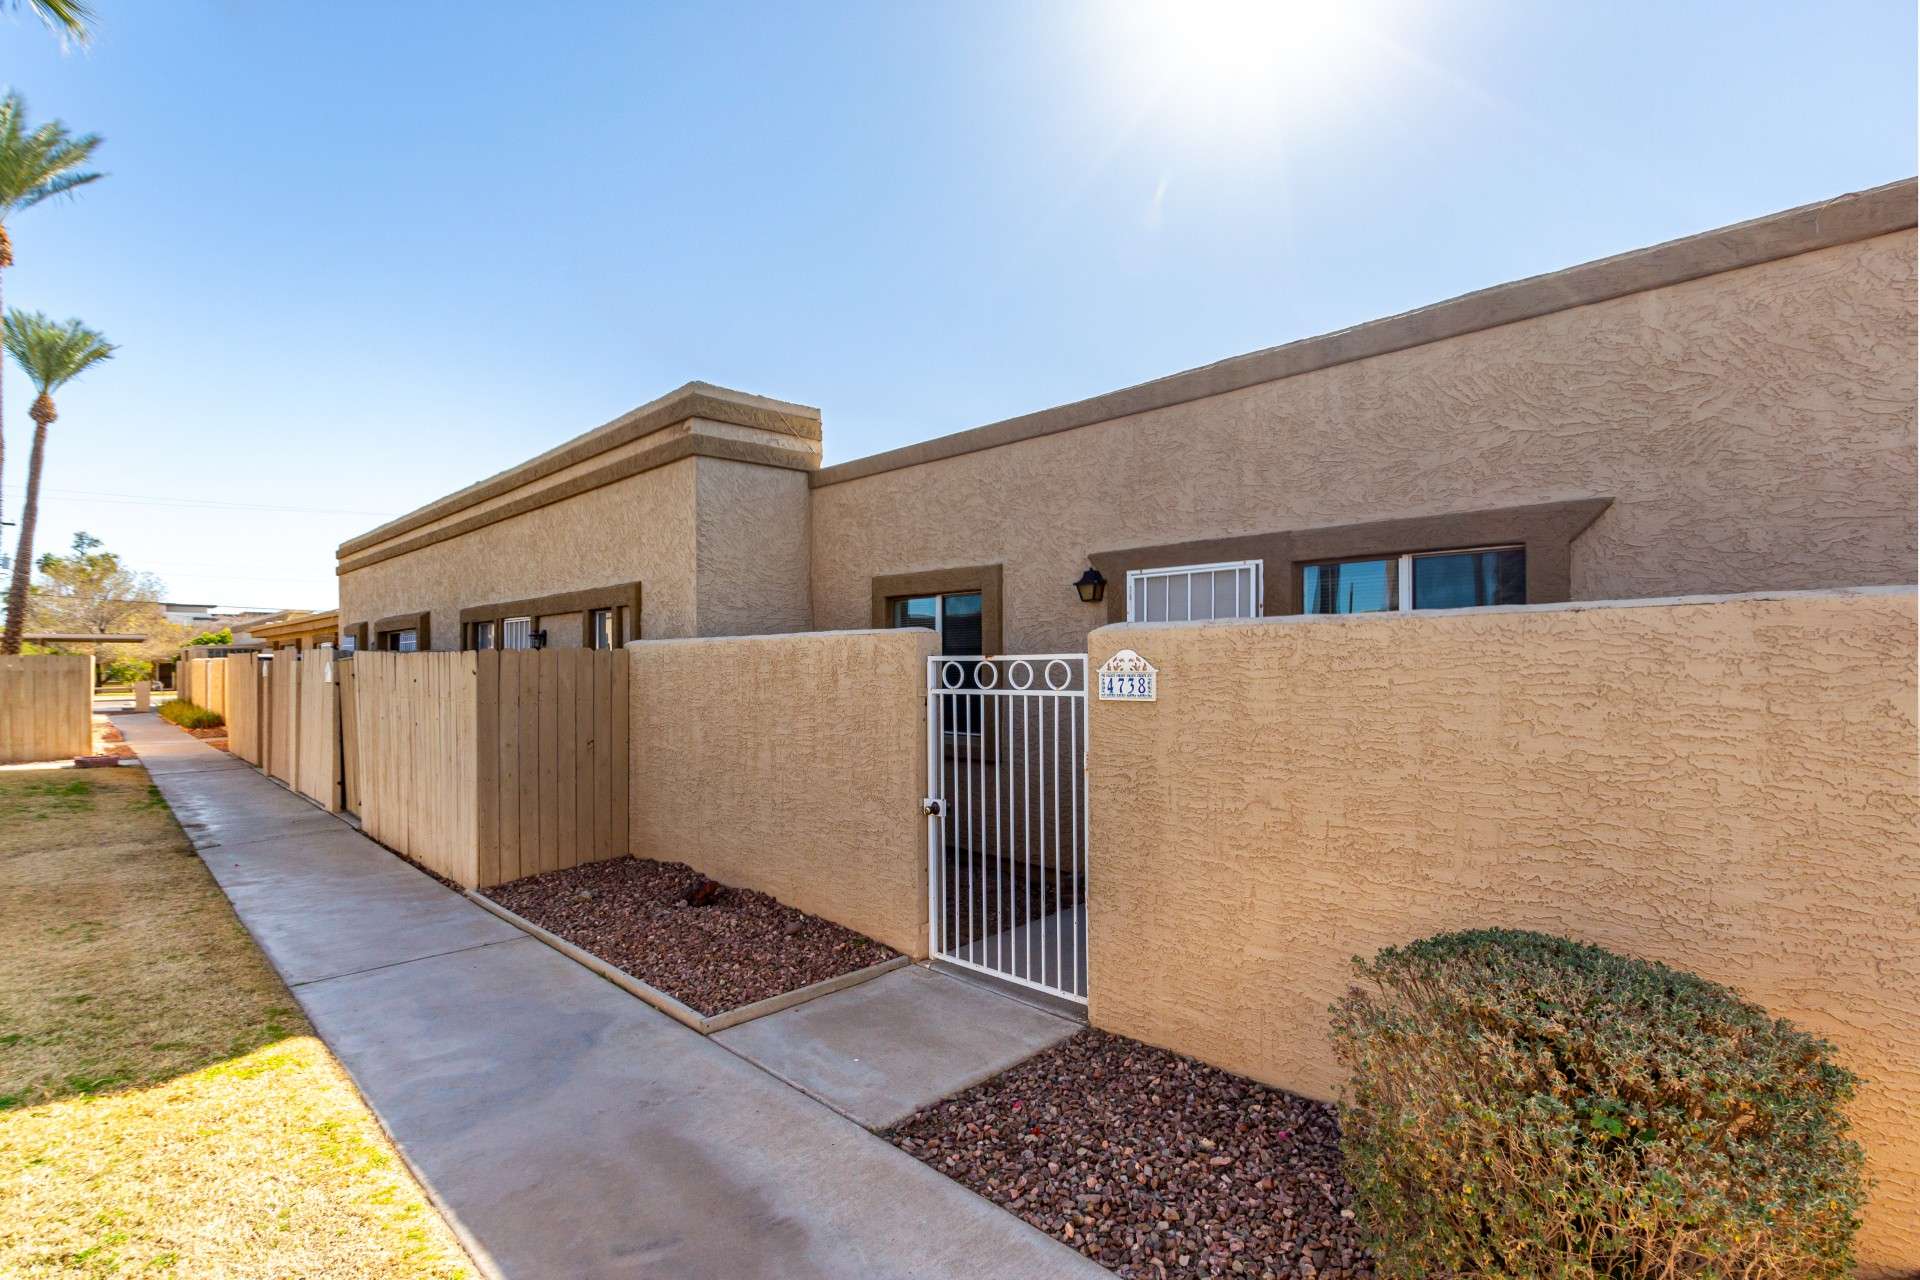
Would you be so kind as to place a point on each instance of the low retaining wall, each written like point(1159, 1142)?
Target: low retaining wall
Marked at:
point(1725, 785)
point(791, 764)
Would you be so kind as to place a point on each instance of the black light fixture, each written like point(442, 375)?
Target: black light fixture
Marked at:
point(1092, 587)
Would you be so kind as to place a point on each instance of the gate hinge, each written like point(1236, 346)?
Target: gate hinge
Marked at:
point(933, 808)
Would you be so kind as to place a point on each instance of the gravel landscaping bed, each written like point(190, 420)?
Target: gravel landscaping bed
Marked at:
point(737, 948)
point(1152, 1164)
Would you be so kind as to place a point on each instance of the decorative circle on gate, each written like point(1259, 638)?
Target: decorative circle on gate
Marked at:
point(1066, 675)
point(1014, 669)
point(953, 675)
point(986, 675)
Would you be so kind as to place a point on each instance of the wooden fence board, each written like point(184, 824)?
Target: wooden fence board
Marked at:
point(316, 757)
point(349, 736)
point(243, 706)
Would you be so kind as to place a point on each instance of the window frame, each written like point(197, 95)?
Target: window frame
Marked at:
point(1137, 579)
point(1402, 562)
point(594, 632)
point(506, 635)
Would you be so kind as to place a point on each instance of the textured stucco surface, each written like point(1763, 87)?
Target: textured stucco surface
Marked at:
point(1754, 428)
point(794, 765)
point(752, 567)
point(1730, 787)
point(642, 527)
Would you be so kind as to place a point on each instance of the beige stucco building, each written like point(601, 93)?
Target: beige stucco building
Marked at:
point(1727, 784)
point(1729, 412)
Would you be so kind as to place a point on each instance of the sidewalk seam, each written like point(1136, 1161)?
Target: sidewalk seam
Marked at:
point(395, 964)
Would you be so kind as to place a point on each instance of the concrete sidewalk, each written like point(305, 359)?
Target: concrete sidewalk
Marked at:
point(563, 1127)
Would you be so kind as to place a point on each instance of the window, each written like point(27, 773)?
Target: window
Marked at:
point(1425, 580)
point(407, 641)
point(349, 642)
point(956, 619)
point(516, 633)
point(483, 635)
point(600, 633)
point(1194, 593)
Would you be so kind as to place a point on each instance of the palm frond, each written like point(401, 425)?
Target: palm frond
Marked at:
point(37, 164)
point(53, 354)
point(68, 19)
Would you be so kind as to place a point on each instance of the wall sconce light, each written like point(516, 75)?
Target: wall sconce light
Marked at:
point(1091, 586)
point(537, 639)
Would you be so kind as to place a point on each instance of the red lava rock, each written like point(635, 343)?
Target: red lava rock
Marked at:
point(739, 947)
point(1152, 1164)
point(700, 893)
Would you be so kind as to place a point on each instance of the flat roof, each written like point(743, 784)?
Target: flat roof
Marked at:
point(1858, 215)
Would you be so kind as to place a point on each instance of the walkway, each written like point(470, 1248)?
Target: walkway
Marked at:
point(563, 1127)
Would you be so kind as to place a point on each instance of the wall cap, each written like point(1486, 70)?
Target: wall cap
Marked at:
point(1858, 215)
point(780, 637)
point(1484, 611)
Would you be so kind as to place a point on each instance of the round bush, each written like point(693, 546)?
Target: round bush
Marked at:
point(1522, 1105)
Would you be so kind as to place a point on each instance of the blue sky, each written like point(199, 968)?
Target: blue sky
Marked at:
point(360, 255)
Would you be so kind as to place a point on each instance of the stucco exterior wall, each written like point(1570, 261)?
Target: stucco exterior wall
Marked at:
point(752, 550)
point(794, 765)
point(1730, 787)
point(641, 528)
point(1755, 430)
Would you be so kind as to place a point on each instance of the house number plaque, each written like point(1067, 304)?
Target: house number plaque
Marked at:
point(1128, 677)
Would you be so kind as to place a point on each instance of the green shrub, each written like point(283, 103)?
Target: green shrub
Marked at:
point(188, 716)
point(1522, 1105)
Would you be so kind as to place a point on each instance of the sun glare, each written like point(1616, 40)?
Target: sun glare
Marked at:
point(1245, 61)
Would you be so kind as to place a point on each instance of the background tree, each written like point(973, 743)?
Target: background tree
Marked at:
point(90, 590)
point(35, 165)
point(51, 355)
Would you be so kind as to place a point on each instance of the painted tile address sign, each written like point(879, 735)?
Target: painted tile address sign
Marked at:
point(1128, 677)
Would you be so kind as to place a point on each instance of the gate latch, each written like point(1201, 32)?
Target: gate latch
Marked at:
point(933, 808)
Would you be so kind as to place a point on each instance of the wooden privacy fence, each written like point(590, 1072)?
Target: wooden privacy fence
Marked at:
point(46, 707)
point(243, 706)
point(488, 766)
point(203, 682)
point(283, 717)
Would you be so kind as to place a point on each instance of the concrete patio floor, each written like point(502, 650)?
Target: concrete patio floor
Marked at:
point(562, 1126)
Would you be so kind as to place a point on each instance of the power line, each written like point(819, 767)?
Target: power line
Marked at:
point(154, 500)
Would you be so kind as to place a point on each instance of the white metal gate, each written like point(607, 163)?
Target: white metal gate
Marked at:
point(1007, 817)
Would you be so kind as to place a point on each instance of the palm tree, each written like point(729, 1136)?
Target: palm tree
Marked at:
point(51, 355)
point(35, 165)
point(67, 17)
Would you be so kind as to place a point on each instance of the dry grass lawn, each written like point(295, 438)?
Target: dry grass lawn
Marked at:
point(164, 1108)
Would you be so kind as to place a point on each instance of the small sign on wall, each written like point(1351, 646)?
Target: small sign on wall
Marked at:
point(1128, 677)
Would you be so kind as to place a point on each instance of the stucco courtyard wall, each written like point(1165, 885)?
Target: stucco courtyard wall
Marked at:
point(1726, 786)
point(1754, 428)
point(794, 765)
